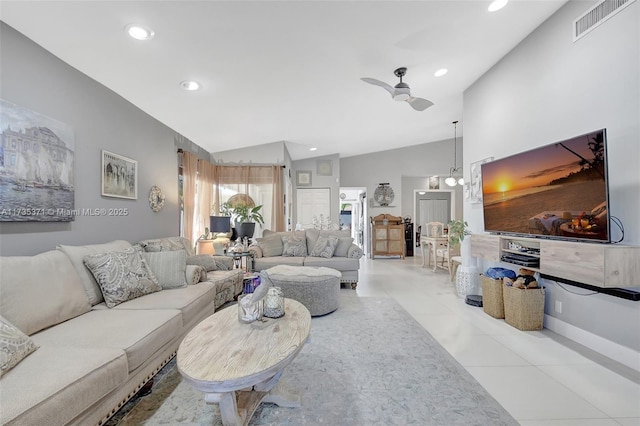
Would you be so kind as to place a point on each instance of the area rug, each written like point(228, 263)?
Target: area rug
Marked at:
point(368, 363)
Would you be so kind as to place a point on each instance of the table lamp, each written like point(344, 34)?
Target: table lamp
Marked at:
point(219, 225)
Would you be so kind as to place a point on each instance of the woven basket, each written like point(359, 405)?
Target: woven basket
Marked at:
point(492, 299)
point(524, 308)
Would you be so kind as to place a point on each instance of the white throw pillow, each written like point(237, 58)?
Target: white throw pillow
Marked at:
point(169, 267)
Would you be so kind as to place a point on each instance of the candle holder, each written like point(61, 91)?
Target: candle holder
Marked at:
point(274, 303)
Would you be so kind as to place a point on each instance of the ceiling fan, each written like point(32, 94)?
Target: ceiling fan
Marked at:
point(401, 91)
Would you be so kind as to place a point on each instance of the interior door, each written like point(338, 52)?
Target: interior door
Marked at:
point(435, 210)
point(310, 203)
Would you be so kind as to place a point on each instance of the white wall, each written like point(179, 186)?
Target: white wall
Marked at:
point(548, 89)
point(332, 182)
point(268, 153)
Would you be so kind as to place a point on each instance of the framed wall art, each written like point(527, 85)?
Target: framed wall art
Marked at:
point(475, 191)
point(324, 167)
point(37, 167)
point(303, 178)
point(119, 176)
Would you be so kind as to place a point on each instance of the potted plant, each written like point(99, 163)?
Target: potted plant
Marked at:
point(457, 230)
point(245, 217)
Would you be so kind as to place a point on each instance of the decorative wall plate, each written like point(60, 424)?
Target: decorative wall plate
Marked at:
point(156, 198)
point(383, 194)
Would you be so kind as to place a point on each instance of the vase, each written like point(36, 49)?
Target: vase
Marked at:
point(246, 229)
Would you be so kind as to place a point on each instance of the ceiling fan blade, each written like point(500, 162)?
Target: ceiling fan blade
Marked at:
point(419, 104)
point(382, 84)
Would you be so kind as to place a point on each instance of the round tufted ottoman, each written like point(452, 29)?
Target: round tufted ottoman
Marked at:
point(318, 289)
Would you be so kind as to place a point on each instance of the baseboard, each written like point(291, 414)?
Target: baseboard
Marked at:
point(615, 351)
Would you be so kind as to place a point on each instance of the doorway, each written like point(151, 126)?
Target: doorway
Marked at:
point(353, 214)
point(432, 206)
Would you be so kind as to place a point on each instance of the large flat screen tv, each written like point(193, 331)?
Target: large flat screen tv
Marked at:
point(558, 191)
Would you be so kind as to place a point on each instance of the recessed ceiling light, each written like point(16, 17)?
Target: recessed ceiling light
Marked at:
point(139, 32)
point(441, 72)
point(189, 85)
point(497, 5)
point(313, 149)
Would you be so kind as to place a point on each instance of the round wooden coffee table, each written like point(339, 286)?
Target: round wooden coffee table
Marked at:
point(239, 365)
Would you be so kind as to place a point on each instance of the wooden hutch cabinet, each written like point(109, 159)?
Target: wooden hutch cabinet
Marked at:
point(387, 236)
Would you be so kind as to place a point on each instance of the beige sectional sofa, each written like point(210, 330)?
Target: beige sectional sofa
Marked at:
point(92, 358)
point(311, 247)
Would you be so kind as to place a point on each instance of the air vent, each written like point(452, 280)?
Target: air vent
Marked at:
point(596, 15)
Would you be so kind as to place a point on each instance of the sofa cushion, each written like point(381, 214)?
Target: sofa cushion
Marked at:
point(14, 346)
point(267, 262)
point(56, 383)
point(122, 275)
point(77, 253)
point(207, 261)
point(39, 291)
point(140, 333)
point(324, 247)
point(271, 245)
point(294, 245)
point(169, 267)
point(191, 300)
point(339, 263)
point(167, 244)
point(343, 246)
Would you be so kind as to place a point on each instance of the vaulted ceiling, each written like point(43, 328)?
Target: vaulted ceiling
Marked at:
point(289, 70)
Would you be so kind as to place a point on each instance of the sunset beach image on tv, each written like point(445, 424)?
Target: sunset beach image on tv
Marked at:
point(557, 190)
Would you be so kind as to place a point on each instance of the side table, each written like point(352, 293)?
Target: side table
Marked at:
point(237, 260)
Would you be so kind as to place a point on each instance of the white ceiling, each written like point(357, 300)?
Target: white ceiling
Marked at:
point(285, 71)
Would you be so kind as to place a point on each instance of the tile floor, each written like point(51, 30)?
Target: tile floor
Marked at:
point(539, 377)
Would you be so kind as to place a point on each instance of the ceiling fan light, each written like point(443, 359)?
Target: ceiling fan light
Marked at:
point(401, 97)
point(451, 181)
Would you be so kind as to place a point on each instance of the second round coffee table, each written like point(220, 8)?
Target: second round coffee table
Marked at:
point(239, 365)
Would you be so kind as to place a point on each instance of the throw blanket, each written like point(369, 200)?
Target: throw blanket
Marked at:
point(306, 271)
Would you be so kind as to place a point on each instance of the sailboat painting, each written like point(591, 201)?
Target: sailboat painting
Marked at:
point(36, 167)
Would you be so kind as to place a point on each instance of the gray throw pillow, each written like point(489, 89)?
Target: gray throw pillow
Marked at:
point(271, 246)
point(343, 247)
point(205, 260)
point(169, 267)
point(294, 245)
point(14, 346)
point(325, 246)
point(122, 275)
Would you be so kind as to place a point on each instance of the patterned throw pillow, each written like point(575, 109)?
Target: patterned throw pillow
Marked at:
point(205, 260)
point(343, 247)
point(169, 267)
point(294, 245)
point(14, 346)
point(325, 246)
point(122, 275)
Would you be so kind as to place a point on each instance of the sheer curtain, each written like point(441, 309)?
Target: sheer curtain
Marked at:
point(189, 185)
point(263, 184)
point(205, 192)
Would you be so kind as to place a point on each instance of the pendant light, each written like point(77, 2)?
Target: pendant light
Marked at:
point(451, 180)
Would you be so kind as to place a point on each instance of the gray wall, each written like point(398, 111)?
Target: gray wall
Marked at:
point(33, 78)
point(548, 89)
point(403, 168)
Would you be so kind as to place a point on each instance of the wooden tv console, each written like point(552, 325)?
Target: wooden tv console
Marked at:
point(600, 265)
